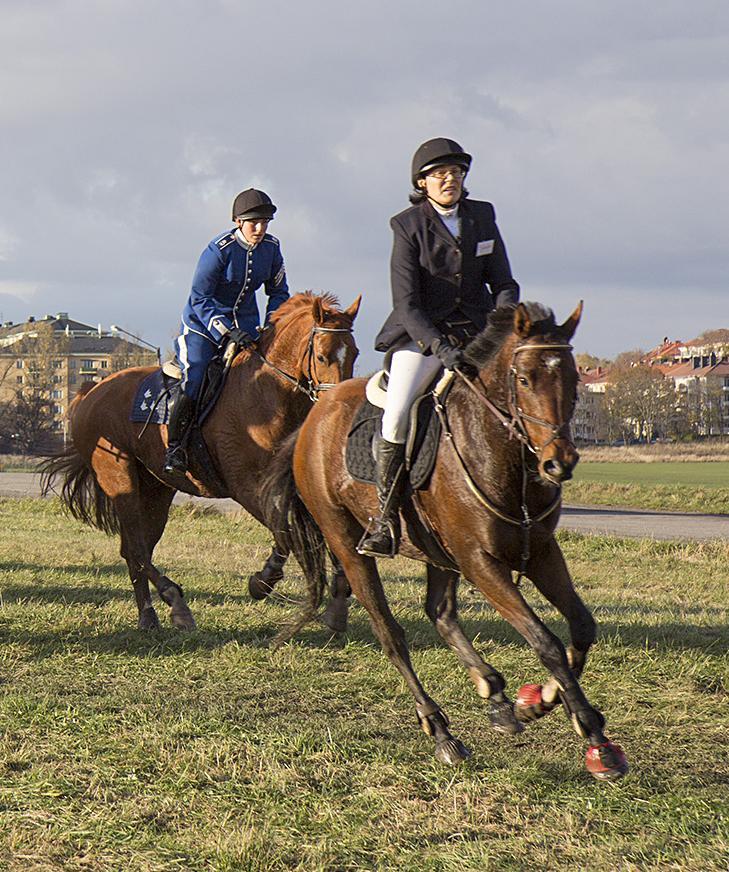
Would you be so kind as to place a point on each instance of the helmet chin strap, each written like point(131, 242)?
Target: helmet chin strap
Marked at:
point(441, 206)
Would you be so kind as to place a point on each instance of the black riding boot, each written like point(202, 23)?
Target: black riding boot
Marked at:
point(181, 417)
point(383, 539)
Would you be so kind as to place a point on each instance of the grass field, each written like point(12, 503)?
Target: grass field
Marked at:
point(671, 486)
point(207, 751)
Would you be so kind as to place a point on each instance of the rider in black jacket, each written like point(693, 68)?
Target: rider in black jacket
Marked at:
point(449, 269)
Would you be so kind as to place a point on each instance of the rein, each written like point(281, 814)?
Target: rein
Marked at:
point(514, 424)
point(310, 387)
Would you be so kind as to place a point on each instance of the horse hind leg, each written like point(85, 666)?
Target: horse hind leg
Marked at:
point(364, 579)
point(137, 505)
point(442, 608)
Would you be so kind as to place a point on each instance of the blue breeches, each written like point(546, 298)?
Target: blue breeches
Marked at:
point(193, 353)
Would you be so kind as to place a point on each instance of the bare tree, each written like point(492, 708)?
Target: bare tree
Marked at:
point(640, 402)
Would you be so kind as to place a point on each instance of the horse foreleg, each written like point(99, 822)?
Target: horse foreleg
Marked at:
point(552, 578)
point(364, 579)
point(441, 606)
point(604, 759)
point(337, 612)
point(261, 583)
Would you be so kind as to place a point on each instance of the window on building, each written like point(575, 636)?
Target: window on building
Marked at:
point(56, 379)
point(57, 410)
point(57, 395)
point(103, 364)
point(19, 379)
point(57, 364)
point(18, 364)
point(88, 364)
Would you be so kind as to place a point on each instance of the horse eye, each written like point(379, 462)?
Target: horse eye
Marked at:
point(321, 358)
point(524, 381)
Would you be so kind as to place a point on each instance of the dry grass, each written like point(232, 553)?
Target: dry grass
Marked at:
point(207, 751)
point(706, 452)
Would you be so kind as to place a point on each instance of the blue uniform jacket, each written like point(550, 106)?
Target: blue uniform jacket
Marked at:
point(225, 282)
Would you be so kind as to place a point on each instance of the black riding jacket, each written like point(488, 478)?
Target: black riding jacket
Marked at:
point(436, 277)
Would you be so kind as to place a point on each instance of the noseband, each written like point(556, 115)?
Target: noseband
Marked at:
point(310, 386)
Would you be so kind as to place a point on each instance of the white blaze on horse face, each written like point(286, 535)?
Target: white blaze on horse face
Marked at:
point(341, 356)
point(552, 363)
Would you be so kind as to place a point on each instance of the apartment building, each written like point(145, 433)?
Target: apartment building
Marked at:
point(57, 354)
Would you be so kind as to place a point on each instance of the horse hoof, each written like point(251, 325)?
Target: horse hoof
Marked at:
point(503, 719)
point(258, 588)
point(451, 752)
point(529, 705)
point(148, 619)
point(183, 620)
point(335, 616)
point(606, 762)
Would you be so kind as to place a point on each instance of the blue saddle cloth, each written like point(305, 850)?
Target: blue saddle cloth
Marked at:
point(152, 396)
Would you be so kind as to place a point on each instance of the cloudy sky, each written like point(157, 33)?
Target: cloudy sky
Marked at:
point(600, 131)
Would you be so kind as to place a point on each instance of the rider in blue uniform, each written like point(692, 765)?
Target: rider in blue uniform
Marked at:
point(222, 306)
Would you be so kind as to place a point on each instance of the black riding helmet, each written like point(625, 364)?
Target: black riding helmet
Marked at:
point(252, 204)
point(436, 153)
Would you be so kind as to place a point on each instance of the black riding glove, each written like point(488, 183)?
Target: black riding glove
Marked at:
point(240, 337)
point(453, 358)
point(450, 357)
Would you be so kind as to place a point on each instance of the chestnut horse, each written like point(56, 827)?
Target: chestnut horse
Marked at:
point(112, 475)
point(491, 507)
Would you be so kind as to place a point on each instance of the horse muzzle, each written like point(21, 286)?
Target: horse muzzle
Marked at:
point(558, 465)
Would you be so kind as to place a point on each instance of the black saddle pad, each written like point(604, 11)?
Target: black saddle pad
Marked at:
point(360, 459)
point(152, 397)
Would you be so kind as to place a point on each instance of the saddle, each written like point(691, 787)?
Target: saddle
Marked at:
point(421, 447)
point(152, 406)
point(423, 431)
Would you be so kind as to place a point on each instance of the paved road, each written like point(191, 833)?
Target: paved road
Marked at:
point(635, 523)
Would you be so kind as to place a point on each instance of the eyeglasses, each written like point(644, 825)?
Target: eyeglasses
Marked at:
point(443, 173)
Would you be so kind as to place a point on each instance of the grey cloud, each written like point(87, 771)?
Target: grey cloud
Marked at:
point(598, 130)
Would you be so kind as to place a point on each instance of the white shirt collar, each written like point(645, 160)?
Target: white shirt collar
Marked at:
point(242, 240)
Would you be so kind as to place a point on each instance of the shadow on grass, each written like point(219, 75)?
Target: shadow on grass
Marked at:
point(271, 617)
point(93, 594)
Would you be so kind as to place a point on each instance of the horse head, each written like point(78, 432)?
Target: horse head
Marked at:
point(311, 341)
point(542, 392)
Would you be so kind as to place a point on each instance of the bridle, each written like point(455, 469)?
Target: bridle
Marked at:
point(513, 422)
point(310, 385)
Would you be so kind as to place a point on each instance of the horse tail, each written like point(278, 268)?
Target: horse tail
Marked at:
point(292, 524)
point(80, 493)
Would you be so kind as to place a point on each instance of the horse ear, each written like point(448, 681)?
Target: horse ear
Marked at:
point(570, 325)
point(522, 321)
point(354, 308)
point(317, 310)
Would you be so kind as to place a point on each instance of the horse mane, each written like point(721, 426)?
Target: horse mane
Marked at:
point(500, 325)
point(303, 302)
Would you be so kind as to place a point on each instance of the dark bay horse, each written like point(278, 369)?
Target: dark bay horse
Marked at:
point(492, 504)
point(112, 475)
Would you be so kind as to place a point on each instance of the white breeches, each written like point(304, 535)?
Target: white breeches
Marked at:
point(410, 374)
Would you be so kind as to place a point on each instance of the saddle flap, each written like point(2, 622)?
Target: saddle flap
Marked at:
point(171, 369)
